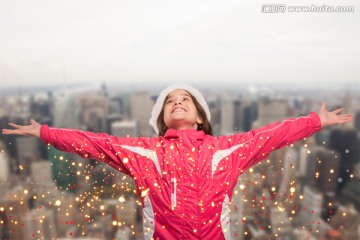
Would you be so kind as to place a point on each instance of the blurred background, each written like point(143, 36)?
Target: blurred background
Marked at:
point(99, 66)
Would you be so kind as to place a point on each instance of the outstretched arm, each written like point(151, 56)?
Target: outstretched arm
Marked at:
point(332, 118)
point(259, 143)
point(115, 151)
point(30, 130)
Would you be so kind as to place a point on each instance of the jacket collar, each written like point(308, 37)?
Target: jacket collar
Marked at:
point(193, 134)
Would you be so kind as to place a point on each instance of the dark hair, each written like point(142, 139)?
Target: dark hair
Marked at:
point(205, 126)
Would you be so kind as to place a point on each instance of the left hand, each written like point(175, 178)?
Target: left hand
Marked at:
point(332, 118)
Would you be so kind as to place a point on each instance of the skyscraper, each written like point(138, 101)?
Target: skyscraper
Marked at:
point(4, 165)
point(227, 117)
point(345, 141)
point(40, 223)
point(141, 105)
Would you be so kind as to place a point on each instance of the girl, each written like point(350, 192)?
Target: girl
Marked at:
point(186, 176)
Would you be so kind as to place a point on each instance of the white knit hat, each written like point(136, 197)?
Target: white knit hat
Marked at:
point(162, 96)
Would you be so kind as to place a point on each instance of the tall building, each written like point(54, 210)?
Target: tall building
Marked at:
point(40, 223)
point(323, 169)
point(63, 171)
point(302, 164)
point(347, 222)
point(357, 121)
point(42, 177)
point(311, 207)
point(250, 114)
point(94, 112)
point(290, 160)
point(271, 110)
point(141, 105)
point(4, 164)
point(227, 117)
point(27, 152)
point(280, 223)
point(13, 205)
point(350, 193)
point(66, 110)
point(328, 169)
point(345, 141)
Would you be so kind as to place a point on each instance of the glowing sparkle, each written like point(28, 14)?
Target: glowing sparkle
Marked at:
point(242, 187)
point(57, 202)
point(122, 199)
point(145, 192)
point(125, 160)
point(292, 189)
point(26, 191)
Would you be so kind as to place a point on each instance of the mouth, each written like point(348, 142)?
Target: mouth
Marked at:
point(179, 109)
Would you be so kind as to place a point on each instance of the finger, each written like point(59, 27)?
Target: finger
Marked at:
point(9, 131)
point(345, 119)
point(338, 110)
point(323, 106)
point(14, 125)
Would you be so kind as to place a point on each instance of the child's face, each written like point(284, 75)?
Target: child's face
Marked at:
point(180, 111)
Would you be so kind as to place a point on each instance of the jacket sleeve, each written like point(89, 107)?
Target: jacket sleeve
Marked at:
point(251, 147)
point(103, 147)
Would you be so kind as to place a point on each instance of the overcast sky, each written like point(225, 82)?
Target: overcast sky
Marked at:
point(65, 41)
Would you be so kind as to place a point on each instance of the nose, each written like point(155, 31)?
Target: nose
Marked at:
point(177, 101)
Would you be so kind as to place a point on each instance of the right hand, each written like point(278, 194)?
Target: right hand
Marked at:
point(31, 130)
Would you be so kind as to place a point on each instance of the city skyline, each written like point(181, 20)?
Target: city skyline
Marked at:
point(269, 200)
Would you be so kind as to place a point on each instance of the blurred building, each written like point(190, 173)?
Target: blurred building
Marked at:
point(14, 205)
point(350, 194)
point(357, 121)
point(227, 115)
point(124, 128)
point(345, 141)
point(270, 111)
point(66, 110)
point(280, 223)
point(27, 152)
point(40, 223)
point(141, 106)
point(346, 221)
point(323, 169)
point(4, 164)
point(94, 112)
point(312, 204)
point(290, 161)
point(63, 169)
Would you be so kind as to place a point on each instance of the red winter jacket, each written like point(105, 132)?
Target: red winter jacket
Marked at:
point(185, 178)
